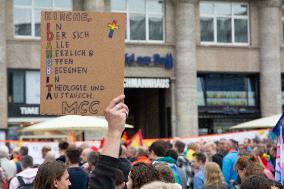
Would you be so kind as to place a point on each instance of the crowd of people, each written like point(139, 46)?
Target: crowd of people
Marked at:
point(223, 164)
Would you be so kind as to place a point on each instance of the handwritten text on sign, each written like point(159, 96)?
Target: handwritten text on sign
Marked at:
point(82, 61)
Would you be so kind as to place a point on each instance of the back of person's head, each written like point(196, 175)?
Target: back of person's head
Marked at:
point(160, 185)
point(255, 182)
point(119, 179)
point(4, 151)
point(141, 174)
point(49, 157)
point(63, 145)
point(73, 154)
point(250, 164)
point(192, 146)
point(27, 161)
point(179, 145)
point(48, 173)
point(159, 148)
point(143, 152)
point(24, 150)
point(173, 154)
point(93, 157)
point(200, 157)
point(213, 175)
point(164, 173)
point(233, 144)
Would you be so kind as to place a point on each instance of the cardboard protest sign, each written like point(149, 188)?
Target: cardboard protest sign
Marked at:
point(82, 61)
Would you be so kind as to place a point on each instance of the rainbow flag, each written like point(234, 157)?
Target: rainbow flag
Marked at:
point(137, 140)
point(72, 137)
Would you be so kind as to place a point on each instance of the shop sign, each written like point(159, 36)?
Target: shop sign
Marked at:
point(146, 83)
point(155, 60)
point(29, 110)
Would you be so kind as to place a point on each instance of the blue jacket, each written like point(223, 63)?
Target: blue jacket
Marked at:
point(228, 165)
point(198, 179)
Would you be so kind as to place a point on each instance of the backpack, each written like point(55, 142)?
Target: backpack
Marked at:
point(23, 185)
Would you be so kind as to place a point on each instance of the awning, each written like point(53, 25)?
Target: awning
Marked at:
point(15, 120)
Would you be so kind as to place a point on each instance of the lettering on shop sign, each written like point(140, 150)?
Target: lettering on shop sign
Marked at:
point(155, 60)
point(146, 83)
point(29, 110)
point(82, 61)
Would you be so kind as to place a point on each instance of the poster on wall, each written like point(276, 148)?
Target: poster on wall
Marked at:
point(82, 61)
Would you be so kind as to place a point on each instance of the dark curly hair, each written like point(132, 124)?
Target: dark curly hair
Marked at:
point(141, 174)
point(47, 173)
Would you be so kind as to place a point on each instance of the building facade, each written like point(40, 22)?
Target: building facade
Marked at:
point(191, 66)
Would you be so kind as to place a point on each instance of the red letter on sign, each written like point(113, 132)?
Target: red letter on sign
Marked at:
point(50, 34)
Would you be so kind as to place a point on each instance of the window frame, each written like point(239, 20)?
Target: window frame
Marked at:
point(32, 8)
point(147, 14)
point(233, 17)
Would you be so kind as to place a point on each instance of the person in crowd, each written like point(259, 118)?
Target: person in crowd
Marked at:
point(164, 173)
point(158, 155)
point(272, 154)
point(24, 150)
point(191, 149)
point(142, 156)
point(132, 154)
point(78, 177)
point(125, 164)
point(52, 175)
point(16, 158)
point(184, 163)
point(249, 165)
point(9, 166)
point(4, 181)
point(141, 174)
point(198, 162)
point(44, 151)
point(27, 176)
point(248, 145)
point(224, 146)
point(260, 152)
point(160, 185)
point(49, 157)
point(92, 159)
point(228, 164)
point(213, 177)
point(255, 182)
point(63, 145)
point(84, 157)
point(119, 180)
point(103, 177)
point(211, 152)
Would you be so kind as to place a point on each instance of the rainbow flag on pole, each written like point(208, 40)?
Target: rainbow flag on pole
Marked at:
point(137, 140)
point(279, 168)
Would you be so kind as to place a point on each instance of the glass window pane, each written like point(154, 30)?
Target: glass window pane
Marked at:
point(241, 30)
point(223, 9)
point(66, 4)
point(156, 28)
point(251, 92)
point(43, 3)
point(240, 9)
point(23, 2)
point(206, 8)
point(18, 87)
point(136, 6)
point(200, 92)
point(22, 21)
point(155, 6)
point(32, 87)
point(137, 27)
point(118, 5)
point(207, 29)
point(37, 22)
point(224, 30)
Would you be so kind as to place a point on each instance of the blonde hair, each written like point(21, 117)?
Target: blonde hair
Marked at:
point(213, 175)
point(211, 145)
point(160, 185)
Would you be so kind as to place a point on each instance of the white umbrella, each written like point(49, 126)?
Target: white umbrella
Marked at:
point(71, 122)
point(265, 122)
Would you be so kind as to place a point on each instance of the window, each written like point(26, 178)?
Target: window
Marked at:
point(283, 22)
point(27, 15)
point(224, 23)
point(24, 87)
point(226, 90)
point(145, 19)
